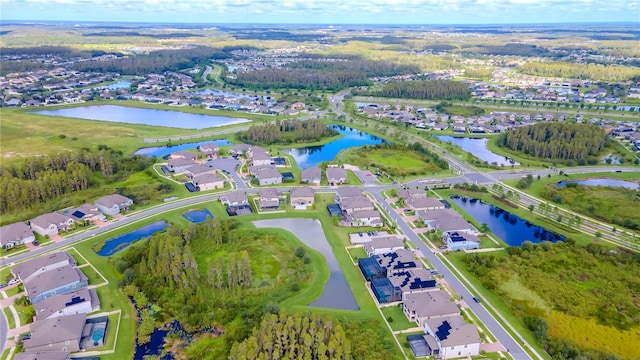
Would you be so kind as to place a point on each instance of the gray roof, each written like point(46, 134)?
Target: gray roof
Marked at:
point(234, 197)
point(304, 191)
point(349, 192)
point(261, 156)
point(51, 305)
point(210, 147)
point(267, 172)
point(383, 242)
point(459, 333)
point(403, 255)
point(445, 219)
point(185, 154)
point(45, 220)
point(207, 179)
point(56, 330)
point(336, 173)
point(403, 278)
point(269, 193)
point(240, 148)
point(88, 210)
point(356, 203)
point(27, 268)
point(409, 193)
point(42, 356)
point(198, 169)
point(14, 232)
point(181, 162)
point(430, 304)
point(423, 203)
point(362, 214)
point(52, 279)
point(310, 174)
point(113, 199)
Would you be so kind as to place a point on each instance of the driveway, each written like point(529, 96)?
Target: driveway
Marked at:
point(228, 165)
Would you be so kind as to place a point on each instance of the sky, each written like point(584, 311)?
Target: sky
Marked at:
point(325, 11)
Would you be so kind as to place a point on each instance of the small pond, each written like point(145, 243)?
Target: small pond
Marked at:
point(337, 293)
point(154, 117)
point(478, 147)
point(198, 216)
point(122, 84)
point(162, 151)
point(311, 156)
point(121, 242)
point(509, 227)
point(602, 182)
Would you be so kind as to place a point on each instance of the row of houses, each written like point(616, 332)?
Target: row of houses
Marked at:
point(335, 176)
point(398, 278)
point(58, 291)
point(269, 199)
point(51, 224)
point(356, 209)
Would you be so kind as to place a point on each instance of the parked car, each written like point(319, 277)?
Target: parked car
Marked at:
point(3, 286)
point(14, 281)
point(35, 243)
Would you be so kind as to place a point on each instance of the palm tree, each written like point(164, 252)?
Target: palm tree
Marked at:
point(485, 228)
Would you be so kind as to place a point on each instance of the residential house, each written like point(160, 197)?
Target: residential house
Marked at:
point(42, 356)
point(50, 224)
point(261, 159)
point(61, 334)
point(346, 193)
point(54, 282)
point(113, 204)
point(85, 212)
point(312, 176)
point(424, 203)
point(239, 149)
point(209, 150)
point(179, 165)
point(445, 220)
point(364, 218)
point(397, 286)
point(360, 203)
point(208, 181)
point(183, 155)
point(269, 199)
point(266, 175)
point(15, 234)
point(336, 175)
point(411, 193)
point(198, 169)
point(235, 198)
point(256, 150)
point(460, 241)
point(378, 266)
point(36, 266)
point(383, 244)
point(452, 337)
point(82, 301)
point(301, 197)
point(419, 307)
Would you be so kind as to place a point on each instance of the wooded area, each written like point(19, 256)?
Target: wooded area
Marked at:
point(36, 180)
point(583, 282)
point(556, 141)
point(422, 89)
point(287, 132)
point(581, 71)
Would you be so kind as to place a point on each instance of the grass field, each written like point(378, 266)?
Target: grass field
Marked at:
point(396, 162)
point(396, 318)
point(10, 319)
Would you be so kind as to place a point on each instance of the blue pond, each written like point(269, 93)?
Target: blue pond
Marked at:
point(155, 117)
point(197, 216)
point(161, 151)
point(121, 242)
point(478, 147)
point(311, 156)
point(510, 228)
point(602, 182)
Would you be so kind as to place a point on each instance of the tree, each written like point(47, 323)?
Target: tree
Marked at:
point(485, 228)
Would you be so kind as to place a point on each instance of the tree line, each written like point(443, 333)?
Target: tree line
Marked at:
point(286, 132)
point(320, 74)
point(296, 336)
point(36, 180)
point(556, 141)
point(422, 89)
point(581, 71)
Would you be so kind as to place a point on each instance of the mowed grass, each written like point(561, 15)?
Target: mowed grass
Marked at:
point(397, 158)
point(396, 318)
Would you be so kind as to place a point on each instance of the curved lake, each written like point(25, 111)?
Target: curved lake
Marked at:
point(337, 293)
point(155, 117)
point(510, 228)
point(311, 156)
point(478, 147)
point(161, 151)
point(121, 242)
point(602, 182)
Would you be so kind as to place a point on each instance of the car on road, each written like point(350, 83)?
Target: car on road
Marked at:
point(476, 299)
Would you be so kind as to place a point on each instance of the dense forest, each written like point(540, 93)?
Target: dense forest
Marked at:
point(297, 336)
point(37, 180)
point(581, 71)
point(556, 141)
point(581, 302)
point(515, 49)
point(423, 89)
point(320, 75)
point(614, 205)
point(156, 61)
point(287, 132)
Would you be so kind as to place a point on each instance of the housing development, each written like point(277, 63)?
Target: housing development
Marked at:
point(319, 192)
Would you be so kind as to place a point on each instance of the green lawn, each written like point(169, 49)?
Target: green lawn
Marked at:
point(352, 179)
point(357, 253)
point(10, 319)
point(92, 275)
point(26, 313)
point(396, 318)
point(14, 290)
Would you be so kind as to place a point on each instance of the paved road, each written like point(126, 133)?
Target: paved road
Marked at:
point(487, 319)
point(4, 331)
